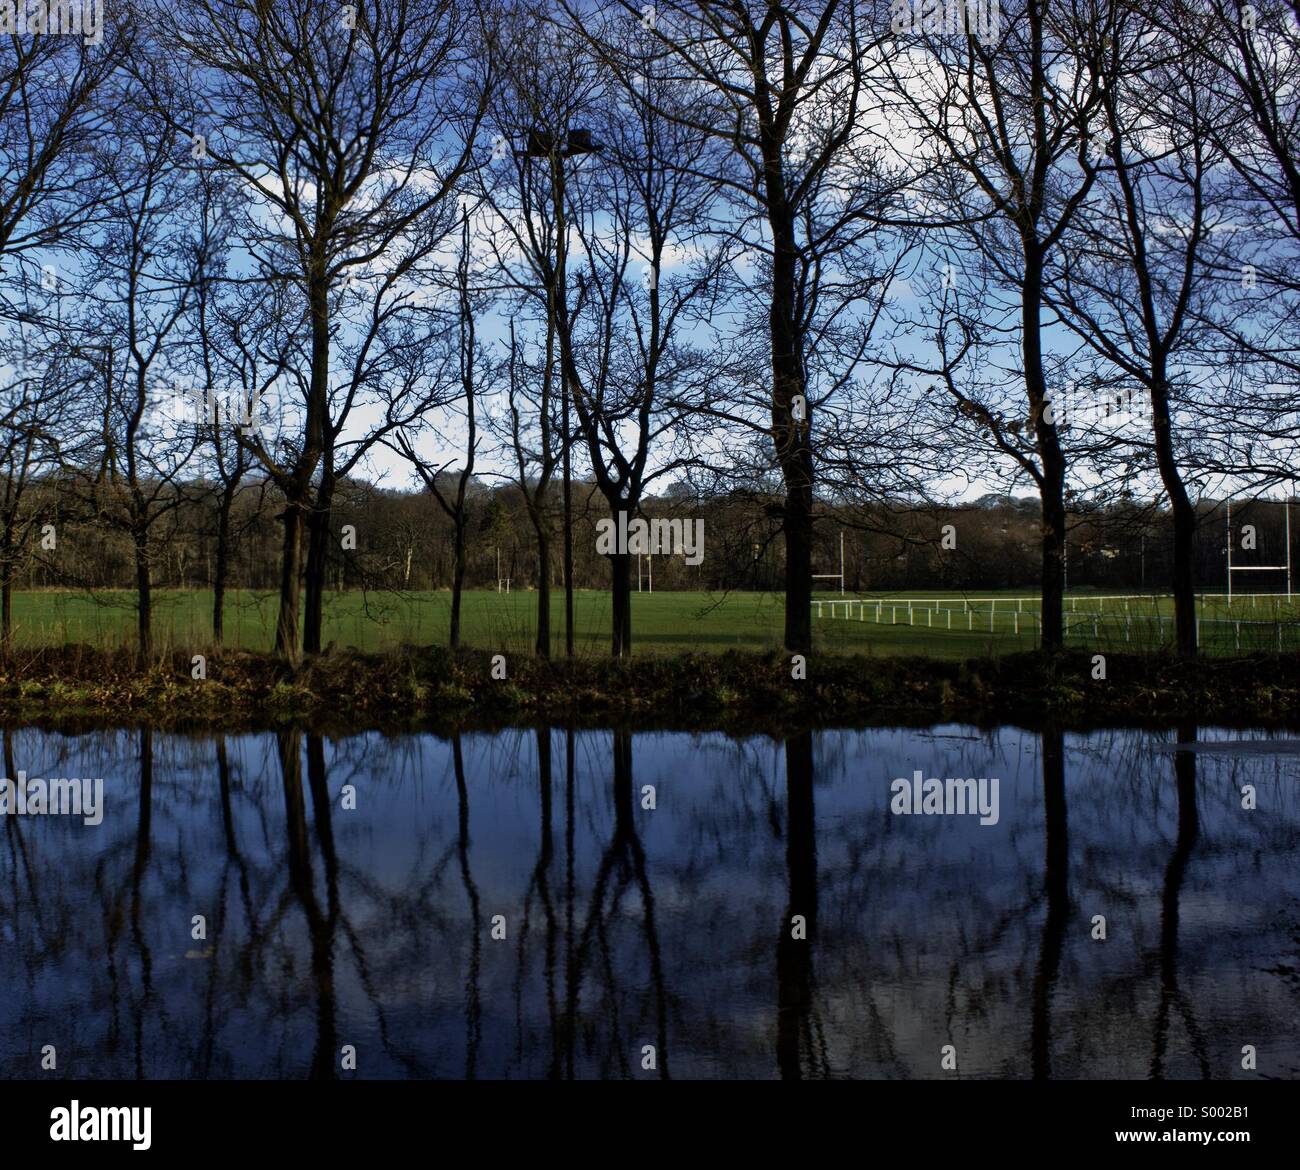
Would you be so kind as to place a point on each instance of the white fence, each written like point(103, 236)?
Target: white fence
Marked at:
point(1125, 621)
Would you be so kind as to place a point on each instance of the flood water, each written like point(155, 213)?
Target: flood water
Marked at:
point(653, 890)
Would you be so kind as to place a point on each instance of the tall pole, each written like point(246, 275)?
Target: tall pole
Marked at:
point(1229, 554)
point(841, 562)
point(1286, 512)
point(556, 148)
point(560, 291)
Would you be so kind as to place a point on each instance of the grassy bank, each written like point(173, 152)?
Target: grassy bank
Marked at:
point(433, 686)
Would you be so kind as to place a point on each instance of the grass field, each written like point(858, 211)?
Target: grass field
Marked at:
point(935, 623)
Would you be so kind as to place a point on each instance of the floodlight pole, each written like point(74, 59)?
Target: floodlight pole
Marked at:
point(542, 144)
point(1286, 512)
point(559, 289)
point(1229, 554)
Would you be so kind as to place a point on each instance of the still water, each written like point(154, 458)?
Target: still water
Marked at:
point(547, 903)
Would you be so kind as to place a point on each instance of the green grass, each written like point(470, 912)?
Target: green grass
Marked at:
point(662, 623)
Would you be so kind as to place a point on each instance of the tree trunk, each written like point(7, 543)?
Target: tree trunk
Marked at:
point(543, 593)
point(1184, 518)
point(286, 626)
point(6, 590)
point(621, 589)
point(298, 503)
point(457, 580)
point(1184, 589)
point(791, 432)
point(222, 570)
point(1051, 485)
point(144, 598)
point(318, 538)
point(536, 515)
point(798, 569)
point(1053, 536)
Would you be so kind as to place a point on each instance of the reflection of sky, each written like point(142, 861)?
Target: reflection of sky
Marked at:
point(928, 929)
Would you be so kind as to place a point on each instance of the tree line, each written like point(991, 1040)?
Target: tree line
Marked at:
point(401, 541)
point(791, 267)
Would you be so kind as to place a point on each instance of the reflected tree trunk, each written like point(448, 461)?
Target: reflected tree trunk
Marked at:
point(541, 883)
point(625, 857)
point(322, 816)
point(223, 783)
point(625, 796)
point(570, 950)
point(1057, 888)
point(143, 849)
point(473, 1010)
point(319, 926)
point(1171, 994)
point(794, 965)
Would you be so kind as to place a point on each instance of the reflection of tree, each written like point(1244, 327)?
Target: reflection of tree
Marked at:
point(223, 786)
point(18, 848)
point(208, 1038)
point(1170, 993)
point(1057, 886)
point(473, 1014)
point(320, 926)
point(622, 864)
point(336, 922)
point(131, 884)
point(193, 822)
point(143, 848)
point(570, 956)
point(539, 883)
point(797, 1024)
point(170, 847)
point(233, 854)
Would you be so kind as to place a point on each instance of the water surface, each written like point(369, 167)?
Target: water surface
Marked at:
point(351, 890)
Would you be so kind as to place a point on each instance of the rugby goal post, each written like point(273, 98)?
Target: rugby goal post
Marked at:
point(1283, 568)
point(835, 576)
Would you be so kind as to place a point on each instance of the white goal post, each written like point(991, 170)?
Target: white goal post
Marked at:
point(1283, 568)
point(835, 576)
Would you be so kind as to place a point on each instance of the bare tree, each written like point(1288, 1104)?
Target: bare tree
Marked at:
point(632, 341)
point(1248, 62)
point(245, 343)
point(542, 97)
point(35, 407)
point(790, 90)
point(350, 130)
point(1133, 281)
point(455, 500)
point(137, 291)
point(53, 115)
point(1008, 150)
